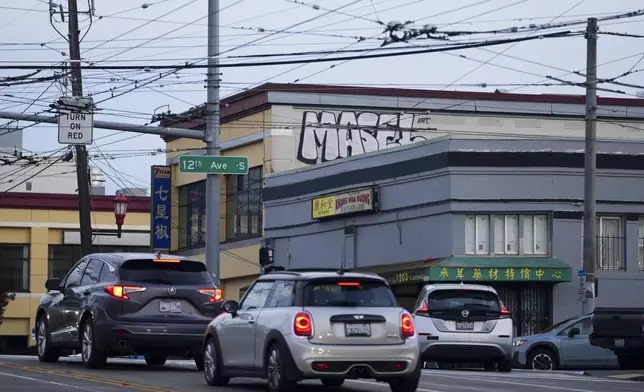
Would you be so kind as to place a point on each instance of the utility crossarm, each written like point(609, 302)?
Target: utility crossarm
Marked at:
point(149, 129)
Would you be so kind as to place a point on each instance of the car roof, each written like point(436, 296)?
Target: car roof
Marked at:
point(308, 274)
point(459, 286)
point(120, 258)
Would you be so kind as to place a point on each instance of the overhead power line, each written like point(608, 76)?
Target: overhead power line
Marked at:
point(563, 34)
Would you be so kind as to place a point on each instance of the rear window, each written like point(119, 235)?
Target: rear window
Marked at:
point(184, 272)
point(354, 293)
point(464, 299)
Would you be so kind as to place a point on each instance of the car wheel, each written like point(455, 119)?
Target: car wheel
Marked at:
point(542, 359)
point(46, 353)
point(332, 382)
point(92, 357)
point(276, 374)
point(407, 383)
point(505, 366)
point(155, 360)
point(212, 364)
point(199, 361)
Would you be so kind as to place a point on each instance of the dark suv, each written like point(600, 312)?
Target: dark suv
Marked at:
point(113, 304)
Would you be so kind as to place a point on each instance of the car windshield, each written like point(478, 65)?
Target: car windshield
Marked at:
point(354, 293)
point(463, 299)
point(558, 325)
point(184, 272)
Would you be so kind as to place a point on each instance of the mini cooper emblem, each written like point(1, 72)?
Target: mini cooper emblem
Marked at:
point(358, 317)
point(465, 313)
point(172, 291)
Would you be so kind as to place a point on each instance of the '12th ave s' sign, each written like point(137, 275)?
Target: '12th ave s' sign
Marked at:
point(206, 164)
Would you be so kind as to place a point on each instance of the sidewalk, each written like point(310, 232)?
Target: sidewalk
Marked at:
point(626, 375)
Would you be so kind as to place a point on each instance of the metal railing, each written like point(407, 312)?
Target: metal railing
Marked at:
point(610, 253)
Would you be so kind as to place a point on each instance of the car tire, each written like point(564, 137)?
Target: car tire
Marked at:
point(407, 383)
point(505, 365)
point(92, 357)
point(46, 353)
point(212, 364)
point(276, 373)
point(199, 361)
point(542, 359)
point(155, 360)
point(332, 382)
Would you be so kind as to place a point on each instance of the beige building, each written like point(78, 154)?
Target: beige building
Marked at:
point(289, 126)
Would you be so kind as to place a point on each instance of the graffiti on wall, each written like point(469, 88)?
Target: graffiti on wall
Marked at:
point(327, 135)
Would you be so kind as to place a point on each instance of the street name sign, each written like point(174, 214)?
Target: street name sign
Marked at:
point(75, 128)
point(208, 164)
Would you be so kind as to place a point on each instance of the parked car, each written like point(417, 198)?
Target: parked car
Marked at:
point(563, 345)
point(464, 323)
point(113, 304)
point(620, 330)
point(326, 325)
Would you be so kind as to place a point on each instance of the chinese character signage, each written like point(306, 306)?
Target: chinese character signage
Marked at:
point(161, 204)
point(343, 203)
point(505, 274)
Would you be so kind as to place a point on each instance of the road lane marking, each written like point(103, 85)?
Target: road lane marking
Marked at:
point(515, 383)
point(380, 384)
point(60, 384)
point(88, 377)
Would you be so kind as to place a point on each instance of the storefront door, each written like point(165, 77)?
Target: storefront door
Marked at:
point(530, 304)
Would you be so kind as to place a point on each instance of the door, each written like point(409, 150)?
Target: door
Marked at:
point(237, 335)
point(576, 351)
point(66, 313)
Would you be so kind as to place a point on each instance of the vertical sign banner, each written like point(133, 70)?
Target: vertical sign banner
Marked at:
point(161, 205)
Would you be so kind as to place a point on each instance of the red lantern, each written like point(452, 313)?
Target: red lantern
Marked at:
point(120, 209)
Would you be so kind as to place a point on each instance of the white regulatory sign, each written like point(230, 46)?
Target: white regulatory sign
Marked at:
point(75, 128)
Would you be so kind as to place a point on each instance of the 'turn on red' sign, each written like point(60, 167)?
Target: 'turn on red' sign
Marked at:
point(343, 203)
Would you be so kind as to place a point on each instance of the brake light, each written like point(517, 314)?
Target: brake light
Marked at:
point(215, 294)
point(504, 311)
point(407, 328)
point(303, 325)
point(123, 291)
point(166, 261)
point(348, 283)
point(423, 308)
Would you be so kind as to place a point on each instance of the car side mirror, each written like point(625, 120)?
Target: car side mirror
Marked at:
point(231, 306)
point(573, 332)
point(52, 284)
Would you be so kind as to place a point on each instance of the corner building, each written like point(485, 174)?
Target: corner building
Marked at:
point(507, 213)
point(285, 127)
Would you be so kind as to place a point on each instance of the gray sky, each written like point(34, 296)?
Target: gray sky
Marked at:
point(127, 31)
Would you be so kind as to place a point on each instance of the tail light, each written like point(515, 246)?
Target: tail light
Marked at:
point(303, 325)
point(350, 284)
point(407, 327)
point(505, 313)
point(423, 310)
point(215, 294)
point(123, 291)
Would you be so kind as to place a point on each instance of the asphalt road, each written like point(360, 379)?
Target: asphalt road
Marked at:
point(25, 374)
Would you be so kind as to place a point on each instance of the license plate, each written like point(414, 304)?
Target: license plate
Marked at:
point(357, 329)
point(619, 342)
point(169, 307)
point(464, 325)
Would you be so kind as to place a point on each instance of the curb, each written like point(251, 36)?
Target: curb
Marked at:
point(621, 376)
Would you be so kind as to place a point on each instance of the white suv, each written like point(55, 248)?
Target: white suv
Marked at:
point(295, 325)
point(464, 323)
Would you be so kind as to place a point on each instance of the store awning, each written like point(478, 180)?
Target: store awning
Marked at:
point(502, 269)
point(483, 269)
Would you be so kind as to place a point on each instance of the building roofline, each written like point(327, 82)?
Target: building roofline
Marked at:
point(256, 99)
point(57, 201)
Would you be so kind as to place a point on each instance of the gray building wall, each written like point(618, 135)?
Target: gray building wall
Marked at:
point(423, 214)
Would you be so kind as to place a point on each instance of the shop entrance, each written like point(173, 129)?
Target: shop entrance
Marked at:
point(530, 304)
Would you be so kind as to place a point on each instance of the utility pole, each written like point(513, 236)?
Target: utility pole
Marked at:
point(82, 174)
point(590, 241)
point(213, 186)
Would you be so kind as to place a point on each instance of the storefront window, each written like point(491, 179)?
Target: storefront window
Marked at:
point(244, 205)
point(192, 215)
point(14, 268)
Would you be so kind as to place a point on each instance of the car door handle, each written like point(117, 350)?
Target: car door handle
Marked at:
point(251, 321)
point(87, 292)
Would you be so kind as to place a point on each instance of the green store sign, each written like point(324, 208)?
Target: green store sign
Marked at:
point(510, 274)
